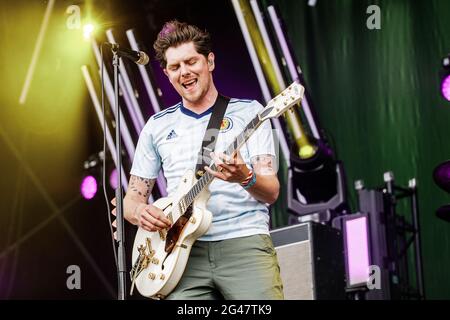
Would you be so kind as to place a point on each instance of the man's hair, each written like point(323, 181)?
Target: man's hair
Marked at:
point(175, 33)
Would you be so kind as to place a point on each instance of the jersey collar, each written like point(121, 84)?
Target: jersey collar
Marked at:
point(191, 113)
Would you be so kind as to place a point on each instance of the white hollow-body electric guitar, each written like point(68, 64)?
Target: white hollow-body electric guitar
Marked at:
point(159, 258)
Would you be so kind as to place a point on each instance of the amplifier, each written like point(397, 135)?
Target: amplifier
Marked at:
point(311, 259)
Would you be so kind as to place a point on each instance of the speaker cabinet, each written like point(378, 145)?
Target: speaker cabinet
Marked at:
point(311, 259)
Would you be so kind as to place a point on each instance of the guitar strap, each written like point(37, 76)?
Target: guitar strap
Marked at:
point(210, 138)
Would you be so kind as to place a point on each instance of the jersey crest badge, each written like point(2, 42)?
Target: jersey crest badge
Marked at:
point(226, 124)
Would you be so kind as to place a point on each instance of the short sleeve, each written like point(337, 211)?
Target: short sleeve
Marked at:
point(146, 162)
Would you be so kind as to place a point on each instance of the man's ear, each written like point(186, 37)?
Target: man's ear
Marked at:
point(211, 61)
point(165, 72)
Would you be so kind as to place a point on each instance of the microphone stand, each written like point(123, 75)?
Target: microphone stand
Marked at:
point(121, 265)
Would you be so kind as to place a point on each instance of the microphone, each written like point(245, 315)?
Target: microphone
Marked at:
point(138, 57)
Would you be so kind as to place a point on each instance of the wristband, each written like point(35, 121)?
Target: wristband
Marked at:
point(252, 182)
point(247, 180)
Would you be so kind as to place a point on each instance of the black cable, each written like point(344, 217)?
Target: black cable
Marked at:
point(104, 161)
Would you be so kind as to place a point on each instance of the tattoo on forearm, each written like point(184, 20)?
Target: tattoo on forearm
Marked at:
point(264, 164)
point(141, 186)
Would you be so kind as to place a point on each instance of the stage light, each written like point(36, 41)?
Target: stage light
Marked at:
point(445, 78)
point(444, 212)
point(357, 250)
point(88, 187)
point(307, 151)
point(445, 87)
point(88, 30)
point(441, 176)
point(113, 179)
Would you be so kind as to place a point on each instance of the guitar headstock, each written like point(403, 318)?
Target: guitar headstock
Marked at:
point(282, 102)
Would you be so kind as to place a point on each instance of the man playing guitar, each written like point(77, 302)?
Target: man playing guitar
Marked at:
point(235, 258)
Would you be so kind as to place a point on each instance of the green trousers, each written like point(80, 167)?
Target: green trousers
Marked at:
point(234, 269)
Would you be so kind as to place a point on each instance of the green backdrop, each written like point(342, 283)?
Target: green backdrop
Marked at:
point(376, 93)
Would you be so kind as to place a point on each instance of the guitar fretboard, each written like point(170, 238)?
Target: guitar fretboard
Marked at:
point(198, 187)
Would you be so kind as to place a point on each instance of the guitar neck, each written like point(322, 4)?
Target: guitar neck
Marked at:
point(277, 106)
point(232, 149)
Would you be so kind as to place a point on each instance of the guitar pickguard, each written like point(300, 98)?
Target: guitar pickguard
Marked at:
point(174, 232)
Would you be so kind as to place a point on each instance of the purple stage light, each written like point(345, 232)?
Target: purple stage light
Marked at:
point(88, 187)
point(441, 175)
point(357, 250)
point(113, 179)
point(445, 87)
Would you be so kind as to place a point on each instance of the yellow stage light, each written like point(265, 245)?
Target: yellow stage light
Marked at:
point(88, 30)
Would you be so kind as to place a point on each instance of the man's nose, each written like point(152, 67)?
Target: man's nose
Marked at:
point(184, 70)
